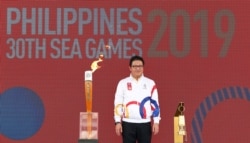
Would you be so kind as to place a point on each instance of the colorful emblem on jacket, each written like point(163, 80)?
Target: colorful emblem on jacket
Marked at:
point(129, 86)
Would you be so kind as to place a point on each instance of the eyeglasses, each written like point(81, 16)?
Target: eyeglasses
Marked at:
point(137, 66)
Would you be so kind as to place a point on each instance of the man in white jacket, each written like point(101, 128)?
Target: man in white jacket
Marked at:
point(136, 105)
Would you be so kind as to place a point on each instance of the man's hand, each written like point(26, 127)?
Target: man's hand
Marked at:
point(155, 128)
point(118, 129)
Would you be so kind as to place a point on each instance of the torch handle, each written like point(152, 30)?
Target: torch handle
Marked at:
point(88, 95)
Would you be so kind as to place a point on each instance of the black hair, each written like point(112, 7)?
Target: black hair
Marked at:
point(135, 58)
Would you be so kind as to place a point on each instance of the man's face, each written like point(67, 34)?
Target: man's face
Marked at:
point(136, 69)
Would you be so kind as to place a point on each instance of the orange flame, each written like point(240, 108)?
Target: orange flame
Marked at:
point(94, 65)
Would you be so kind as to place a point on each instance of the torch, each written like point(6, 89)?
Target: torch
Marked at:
point(179, 124)
point(88, 85)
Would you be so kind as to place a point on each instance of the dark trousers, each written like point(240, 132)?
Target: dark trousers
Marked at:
point(140, 132)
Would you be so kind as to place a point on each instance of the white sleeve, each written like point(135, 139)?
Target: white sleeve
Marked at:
point(118, 103)
point(155, 98)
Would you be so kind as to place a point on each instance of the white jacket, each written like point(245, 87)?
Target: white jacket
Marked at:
point(136, 101)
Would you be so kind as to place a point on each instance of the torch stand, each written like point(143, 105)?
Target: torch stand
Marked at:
point(88, 127)
point(179, 124)
point(88, 130)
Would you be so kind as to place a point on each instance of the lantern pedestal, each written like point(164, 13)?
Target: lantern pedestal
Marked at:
point(88, 127)
point(87, 141)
